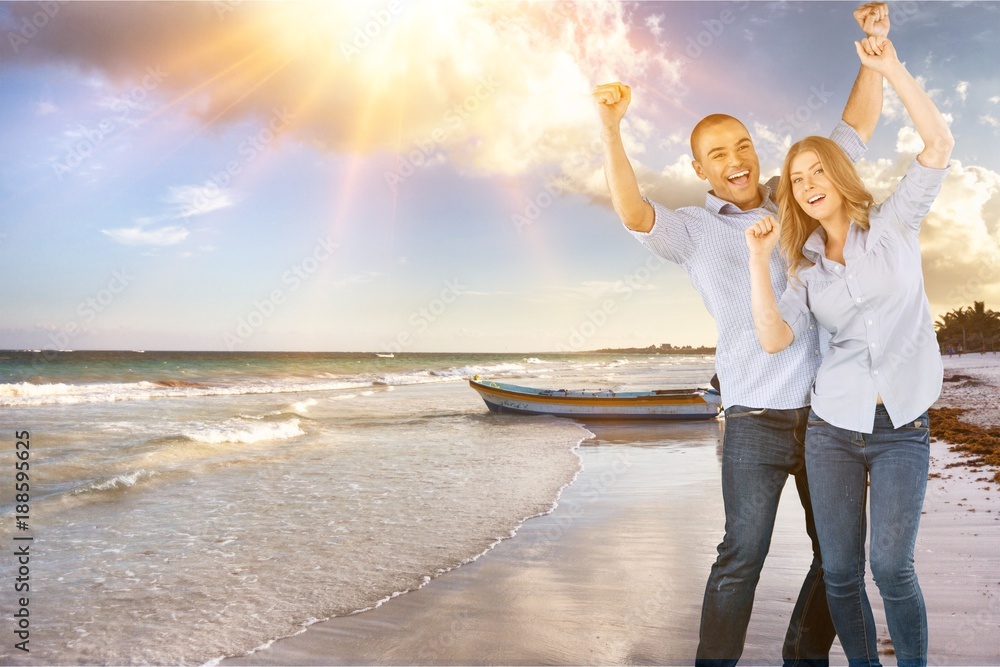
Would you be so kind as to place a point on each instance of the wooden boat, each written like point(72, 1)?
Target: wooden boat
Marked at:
point(663, 404)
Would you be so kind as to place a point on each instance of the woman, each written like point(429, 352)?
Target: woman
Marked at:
point(855, 268)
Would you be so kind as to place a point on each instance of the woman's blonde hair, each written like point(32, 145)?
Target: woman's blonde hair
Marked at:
point(796, 224)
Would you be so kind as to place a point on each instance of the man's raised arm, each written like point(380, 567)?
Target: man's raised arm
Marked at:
point(612, 100)
point(864, 105)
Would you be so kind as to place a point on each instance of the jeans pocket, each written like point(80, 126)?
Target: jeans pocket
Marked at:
point(920, 424)
point(814, 419)
point(742, 411)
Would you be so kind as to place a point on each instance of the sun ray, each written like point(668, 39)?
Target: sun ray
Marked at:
point(125, 133)
point(359, 137)
point(211, 121)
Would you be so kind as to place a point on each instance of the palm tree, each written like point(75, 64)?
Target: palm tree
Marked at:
point(983, 322)
point(963, 326)
point(952, 327)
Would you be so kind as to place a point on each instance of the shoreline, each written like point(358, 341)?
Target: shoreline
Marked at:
point(427, 579)
point(453, 620)
point(614, 573)
point(970, 410)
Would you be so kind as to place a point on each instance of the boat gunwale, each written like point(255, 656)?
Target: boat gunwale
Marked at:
point(693, 397)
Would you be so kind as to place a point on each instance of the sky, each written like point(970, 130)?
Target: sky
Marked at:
point(417, 176)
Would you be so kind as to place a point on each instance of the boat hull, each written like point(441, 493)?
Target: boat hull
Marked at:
point(601, 405)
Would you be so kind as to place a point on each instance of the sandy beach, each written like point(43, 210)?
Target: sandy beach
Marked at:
point(615, 573)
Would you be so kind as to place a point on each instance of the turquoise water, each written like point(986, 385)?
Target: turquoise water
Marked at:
point(189, 506)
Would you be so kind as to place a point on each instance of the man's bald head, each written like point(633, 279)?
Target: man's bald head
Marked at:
point(707, 123)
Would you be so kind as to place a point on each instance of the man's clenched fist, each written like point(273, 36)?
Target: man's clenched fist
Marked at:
point(611, 100)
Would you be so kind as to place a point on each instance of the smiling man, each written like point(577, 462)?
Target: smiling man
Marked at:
point(725, 157)
point(766, 396)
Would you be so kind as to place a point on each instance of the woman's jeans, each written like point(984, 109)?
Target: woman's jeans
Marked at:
point(840, 465)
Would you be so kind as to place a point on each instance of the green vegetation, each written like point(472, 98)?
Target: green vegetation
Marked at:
point(974, 329)
point(665, 348)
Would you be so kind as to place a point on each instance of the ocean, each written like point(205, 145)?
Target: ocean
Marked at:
point(189, 506)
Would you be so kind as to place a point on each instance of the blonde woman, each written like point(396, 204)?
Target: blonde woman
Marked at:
point(855, 267)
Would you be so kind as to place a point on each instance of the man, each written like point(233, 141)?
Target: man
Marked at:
point(766, 396)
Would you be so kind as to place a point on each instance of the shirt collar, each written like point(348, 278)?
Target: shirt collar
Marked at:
point(721, 206)
point(814, 248)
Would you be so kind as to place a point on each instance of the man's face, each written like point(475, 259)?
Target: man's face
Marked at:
point(724, 156)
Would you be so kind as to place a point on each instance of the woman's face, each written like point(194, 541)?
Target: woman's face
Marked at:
point(813, 191)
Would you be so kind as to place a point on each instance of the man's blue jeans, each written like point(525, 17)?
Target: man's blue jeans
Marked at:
point(844, 468)
point(761, 448)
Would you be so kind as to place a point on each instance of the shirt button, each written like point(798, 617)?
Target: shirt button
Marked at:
point(851, 275)
point(811, 326)
point(815, 352)
point(874, 344)
point(859, 299)
point(869, 321)
point(875, 372)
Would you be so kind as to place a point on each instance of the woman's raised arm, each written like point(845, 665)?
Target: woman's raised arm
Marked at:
point(879, 54)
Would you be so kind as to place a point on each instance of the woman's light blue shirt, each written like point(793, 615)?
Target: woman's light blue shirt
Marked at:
point(882, 339)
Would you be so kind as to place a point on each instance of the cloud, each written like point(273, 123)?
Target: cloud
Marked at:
point(770, 146)
point(987, 119)
point(185, 201)
point(45, 108)
point(995, 99)
point(960, 237)
point(654, 23)
point(499, 88)
point(482, 83)
point(892, 106)
point(908, 142)
point(192, 200)
point(586, 291)
point(138, 235)
point(962, 89)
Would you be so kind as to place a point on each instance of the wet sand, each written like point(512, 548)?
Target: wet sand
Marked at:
point(615, 574)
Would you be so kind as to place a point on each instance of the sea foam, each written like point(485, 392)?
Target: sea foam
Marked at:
point(244, 431)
